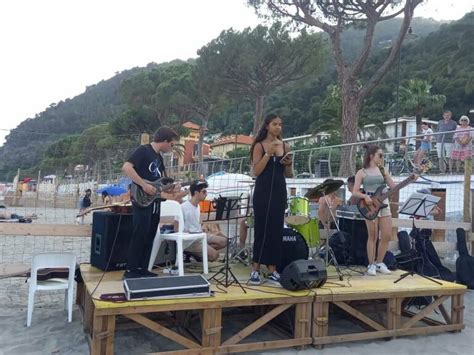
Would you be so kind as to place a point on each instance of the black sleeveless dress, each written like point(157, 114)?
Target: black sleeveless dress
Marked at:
point(269, 204)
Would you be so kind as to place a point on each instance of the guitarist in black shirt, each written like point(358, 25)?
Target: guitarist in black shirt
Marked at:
point(146, 163)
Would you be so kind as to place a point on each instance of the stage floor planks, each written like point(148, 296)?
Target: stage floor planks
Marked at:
point(312, 311)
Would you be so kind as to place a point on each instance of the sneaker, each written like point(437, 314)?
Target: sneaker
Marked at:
point(255, 278)
point(382, 268)
point(371, 270)
point(274, 276)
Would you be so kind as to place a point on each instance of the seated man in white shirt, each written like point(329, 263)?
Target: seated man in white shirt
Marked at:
point(192, 224)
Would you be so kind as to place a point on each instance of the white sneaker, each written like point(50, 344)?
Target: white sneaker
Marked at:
point(381, 267)
point(371, 270)
point(255, 278)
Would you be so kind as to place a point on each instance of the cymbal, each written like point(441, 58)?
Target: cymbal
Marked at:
point(327, 187)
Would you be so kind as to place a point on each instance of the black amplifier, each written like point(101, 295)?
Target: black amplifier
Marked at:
point(187, 286)
point(108, 227)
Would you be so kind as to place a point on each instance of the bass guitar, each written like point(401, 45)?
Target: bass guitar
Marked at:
point(142, 199)
point(371, 212)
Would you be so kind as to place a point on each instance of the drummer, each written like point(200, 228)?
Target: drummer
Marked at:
point(330, 202)
point(350, 186)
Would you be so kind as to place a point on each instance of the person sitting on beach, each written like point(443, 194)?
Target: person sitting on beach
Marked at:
point(106, 199)
point(10, 217)
point(191, 215)
point(126, 196)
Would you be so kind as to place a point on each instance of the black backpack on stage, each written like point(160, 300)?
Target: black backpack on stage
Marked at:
point(465, 262)
point(340, 245)
point(425, 245)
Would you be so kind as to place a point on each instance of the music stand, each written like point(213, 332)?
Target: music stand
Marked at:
point(225, 272)
point(418, 205)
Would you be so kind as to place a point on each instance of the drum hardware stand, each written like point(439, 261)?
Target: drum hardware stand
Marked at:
point(244, 255)
point(225, 276)
point(418, 205)
point(329, 250)
point(250, 226)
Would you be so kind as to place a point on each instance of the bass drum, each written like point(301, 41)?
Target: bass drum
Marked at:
point(294, 247)
point(310, 232)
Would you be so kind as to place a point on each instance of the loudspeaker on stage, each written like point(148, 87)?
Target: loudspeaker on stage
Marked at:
point(304, 274)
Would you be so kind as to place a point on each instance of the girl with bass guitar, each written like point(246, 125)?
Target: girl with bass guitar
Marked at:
point(371, 177)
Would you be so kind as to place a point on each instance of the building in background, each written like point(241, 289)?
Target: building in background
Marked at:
point(307, 139)
point(225, 144)
point(190, 144)
point(406, 127)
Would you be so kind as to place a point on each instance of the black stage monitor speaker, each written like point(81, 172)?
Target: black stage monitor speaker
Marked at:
point(304, 274)
point(104, 230)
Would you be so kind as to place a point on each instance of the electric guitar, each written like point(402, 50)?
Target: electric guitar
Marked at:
point(371, 212)
point(142, 199)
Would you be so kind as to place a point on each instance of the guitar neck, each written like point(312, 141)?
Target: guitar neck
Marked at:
point(115, 204)
point(159, 183)
point(398, 187)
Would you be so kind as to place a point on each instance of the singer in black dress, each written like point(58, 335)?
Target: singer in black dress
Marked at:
point(271, 164)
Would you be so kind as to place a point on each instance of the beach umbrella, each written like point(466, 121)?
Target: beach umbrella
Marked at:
point(112, 190)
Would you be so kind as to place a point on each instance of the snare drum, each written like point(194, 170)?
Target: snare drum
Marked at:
point(299, 211)
point(310, 232)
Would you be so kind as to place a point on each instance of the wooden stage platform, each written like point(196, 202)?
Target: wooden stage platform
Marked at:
point(271, 317)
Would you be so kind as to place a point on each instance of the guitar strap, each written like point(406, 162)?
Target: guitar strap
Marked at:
point(162, 163)
point(382, 171)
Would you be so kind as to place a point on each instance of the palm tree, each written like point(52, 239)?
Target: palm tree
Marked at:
point(415, 96)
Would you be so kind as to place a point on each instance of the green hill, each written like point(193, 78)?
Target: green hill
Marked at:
point(441, 53)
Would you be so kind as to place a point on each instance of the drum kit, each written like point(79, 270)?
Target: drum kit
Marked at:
point(301, 220)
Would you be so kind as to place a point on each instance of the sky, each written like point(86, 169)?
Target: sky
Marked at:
point(52, 49)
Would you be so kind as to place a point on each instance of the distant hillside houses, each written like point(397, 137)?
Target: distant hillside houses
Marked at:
point(220, 145)
point(225, 144)
point(190, 144)
point(307, 139)
point(406, 127)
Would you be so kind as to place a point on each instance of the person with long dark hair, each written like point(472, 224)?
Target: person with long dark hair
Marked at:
point(371, 176)
point(271, 163)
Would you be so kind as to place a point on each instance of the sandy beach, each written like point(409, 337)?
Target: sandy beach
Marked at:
point(51, 334)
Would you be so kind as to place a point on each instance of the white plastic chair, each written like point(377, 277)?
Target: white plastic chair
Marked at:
point(173, 209)
point(52, 260)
